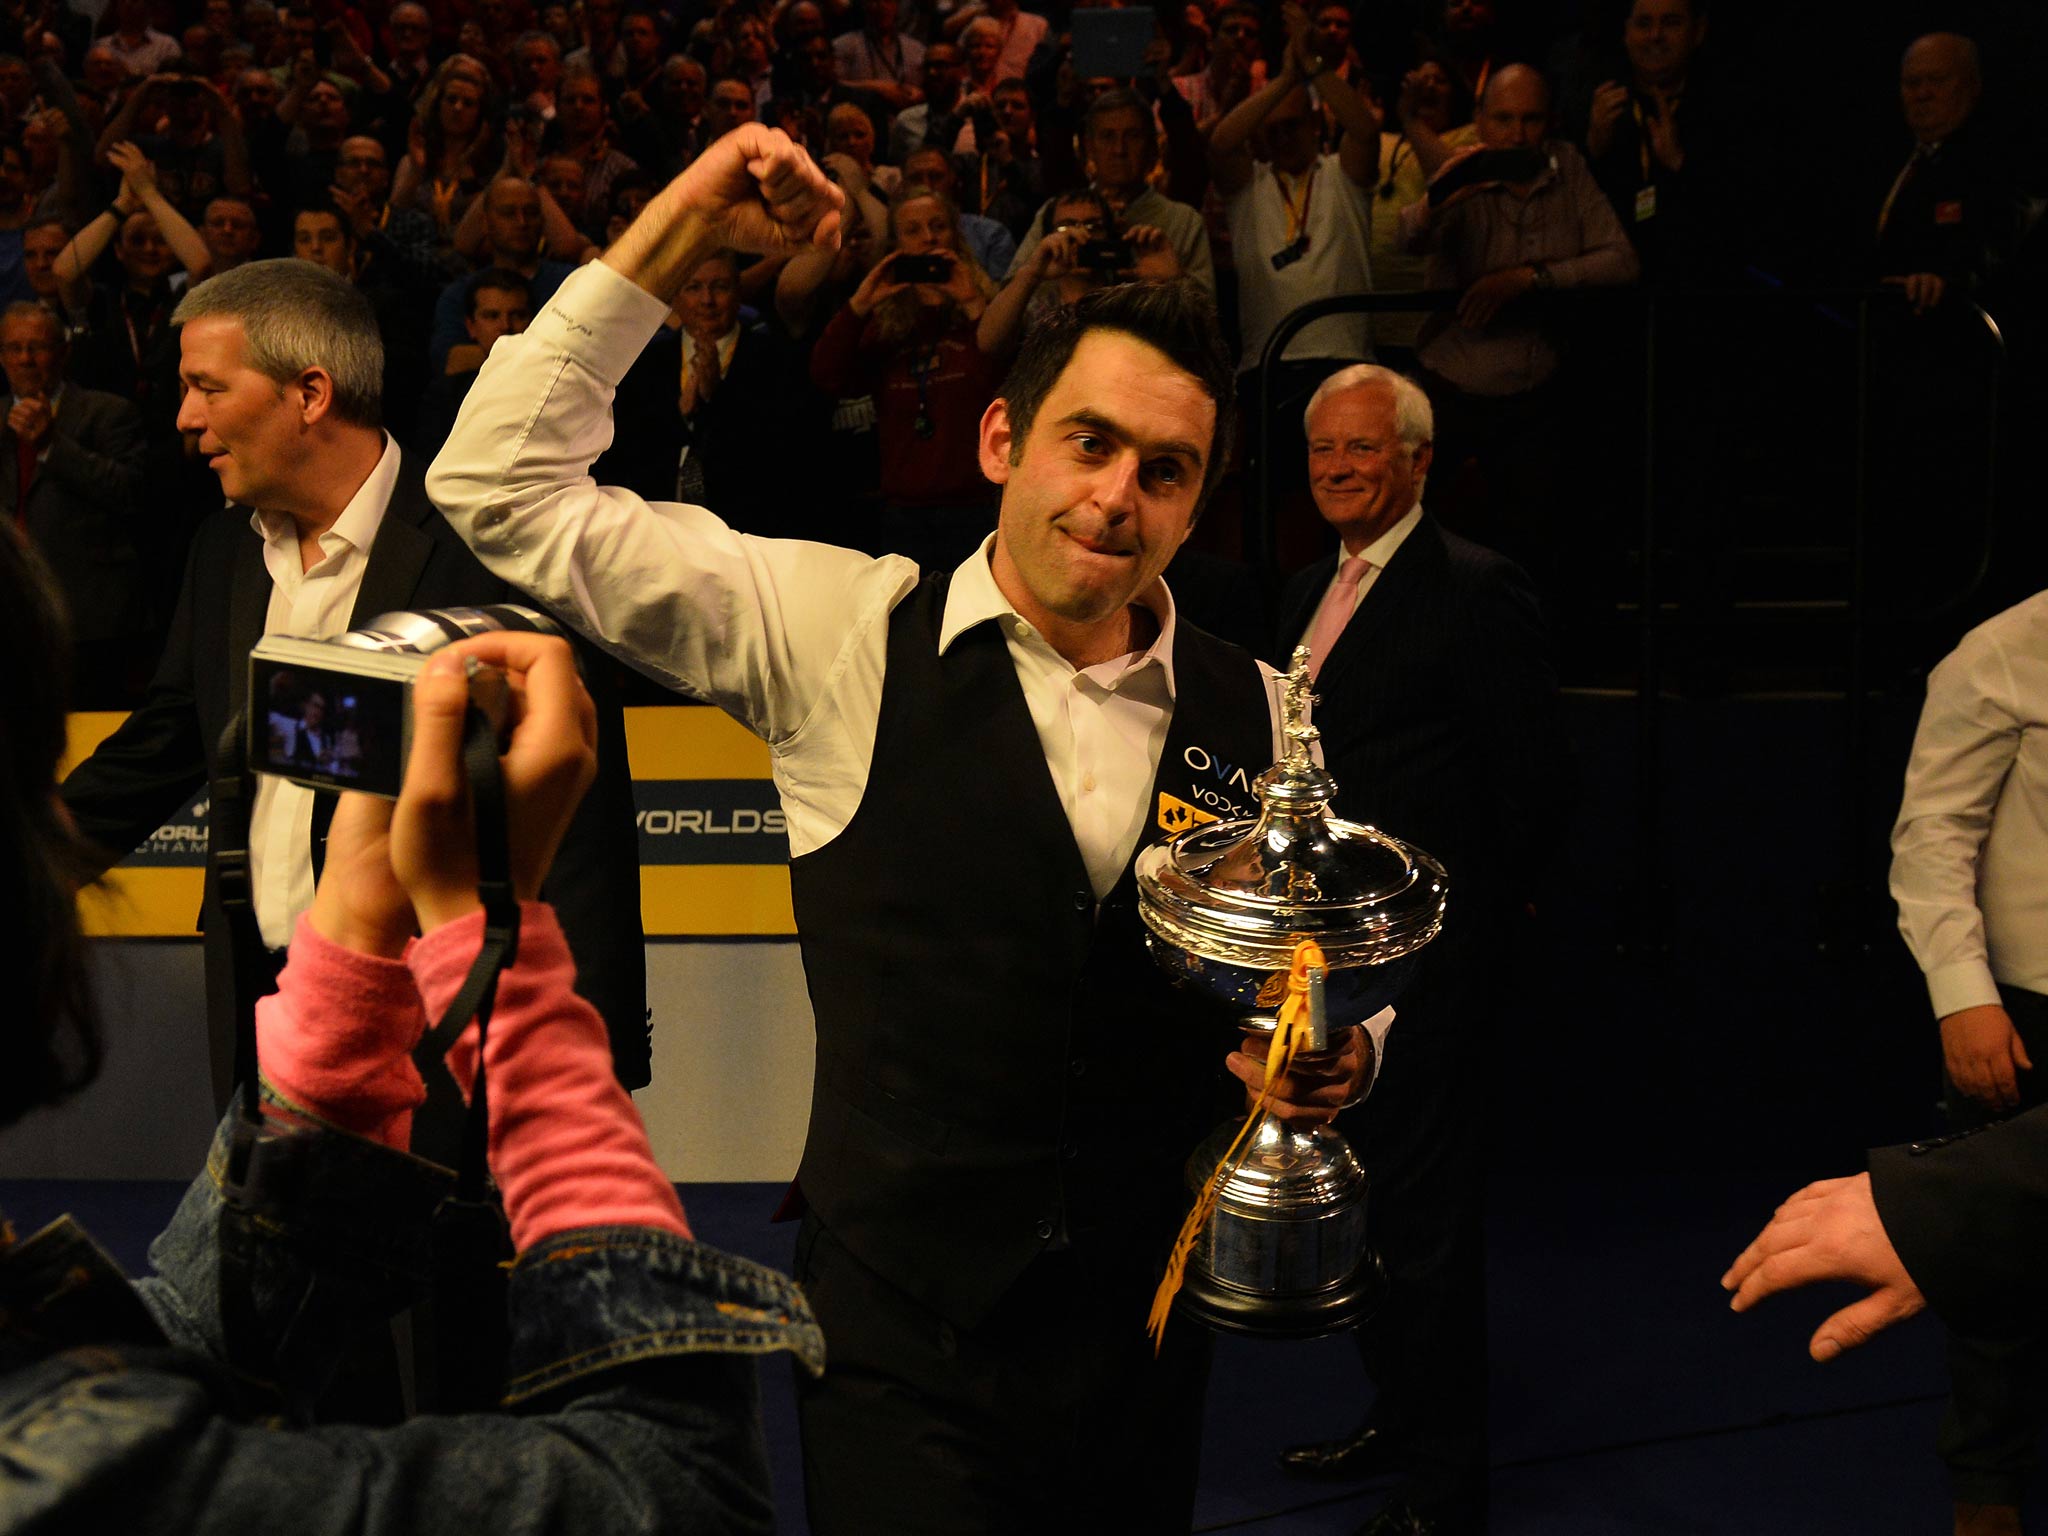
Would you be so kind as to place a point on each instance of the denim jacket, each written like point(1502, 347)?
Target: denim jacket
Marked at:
point(630, 1403)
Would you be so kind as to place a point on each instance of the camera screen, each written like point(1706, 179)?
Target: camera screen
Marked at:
point(328, 728)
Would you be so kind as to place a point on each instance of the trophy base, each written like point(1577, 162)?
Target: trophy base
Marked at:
point(1226, 1309)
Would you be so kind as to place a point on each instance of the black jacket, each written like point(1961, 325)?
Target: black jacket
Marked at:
point(1437, 708)
point(167, 749)
point(85, 514)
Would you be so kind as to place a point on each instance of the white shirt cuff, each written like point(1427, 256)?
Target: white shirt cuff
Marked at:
point(1963, 984)
point(601, 319)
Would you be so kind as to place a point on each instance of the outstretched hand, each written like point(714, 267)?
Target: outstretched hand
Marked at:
point(1829, 1231)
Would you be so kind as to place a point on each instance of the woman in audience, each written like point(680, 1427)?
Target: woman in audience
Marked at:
point(450, 144)
point(179, 1402)
point(907, 337)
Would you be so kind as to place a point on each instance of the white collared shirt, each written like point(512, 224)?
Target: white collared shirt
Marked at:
point(313, 604)
point(1972, 835)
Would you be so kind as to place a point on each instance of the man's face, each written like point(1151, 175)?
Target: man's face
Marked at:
point(1332, 30)
point(1239, 35)
point(320, 239)
point(325, 109)
point(1468, 19)
point(1362, 475)
point(802, 22)
point(300, 30)
point(39, 248)
point(498, 312)
point(141, 250)
point(580, 106)
point(1937, 88)
point(642, 39)
point(1515, 113)
point(750, 43)
point(944, 70)
point(1120, 149)
point(512, 220)
point(314, 710)
point(730, 105)
point(821, 65)
point(230, 230)
point(709, 304)
point(32, 352)
point(17, 86)
point(881, 16)
point(850, 133)
point(250, 428)
point(104, 71)
point(682, 89)
point(603, 16)
point(256, 95)
point(539, 66)
point(411, 30)
point(1101, 493)
point(1660, 38)
point(564, 177)
point(361, 167)
point(930, 168)
point(1013, 116)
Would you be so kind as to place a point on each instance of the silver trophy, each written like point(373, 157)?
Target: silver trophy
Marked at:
point(1285, 1253)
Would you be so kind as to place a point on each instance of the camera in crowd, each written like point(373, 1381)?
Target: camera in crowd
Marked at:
point(337, 714)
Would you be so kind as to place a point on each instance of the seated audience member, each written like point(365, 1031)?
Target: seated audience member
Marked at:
point(1489, 360)
point(1653, 144)
point(512, 234)
point(850, 132)
point(730, 103)
point(666, 135)
point(141, 49)
point(936, 121)
point(191, 135)
point(623, 1332)
point(231, 233)
point(127, 346)
point(911, 344)
point(1017, 33)
point(1950, 214)
point(816, 85)
point(714, 399)
point(1967, 856)
point(879, 59)
point(1300, 219)
point(451, 145)
point(644, 47)
point(582, 130)
point(1060, 271)
point(17, 209)
point(41, 241)
point(75, 494)
point(500, 304)
point(992, 244)
point(1120, 141)
point(566, 179)
point(322, 236)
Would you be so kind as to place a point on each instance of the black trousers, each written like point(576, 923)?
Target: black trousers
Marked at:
point(1421, 1137)
point(1050, 1416)
point(1998, 1385)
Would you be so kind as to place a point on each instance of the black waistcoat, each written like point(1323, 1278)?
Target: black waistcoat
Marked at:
point(998, 1061)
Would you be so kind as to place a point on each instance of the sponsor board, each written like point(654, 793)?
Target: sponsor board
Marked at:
point(714, 855)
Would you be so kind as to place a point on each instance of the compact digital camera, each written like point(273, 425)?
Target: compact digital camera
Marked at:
point(337, 714)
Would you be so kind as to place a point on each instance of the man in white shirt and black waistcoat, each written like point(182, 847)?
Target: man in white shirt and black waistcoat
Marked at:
point(1006, 1089)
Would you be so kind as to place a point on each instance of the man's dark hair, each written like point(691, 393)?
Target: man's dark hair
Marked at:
point(504, 279)
point(52, 221)
point(1177, 318)
point(49, 1042)
point(1121, 99)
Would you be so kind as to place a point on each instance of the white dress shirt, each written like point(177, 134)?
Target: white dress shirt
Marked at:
point(789, 638)
point(1970, 851)
point(312, 604)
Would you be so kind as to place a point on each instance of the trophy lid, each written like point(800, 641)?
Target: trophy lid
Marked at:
point(1245, 892)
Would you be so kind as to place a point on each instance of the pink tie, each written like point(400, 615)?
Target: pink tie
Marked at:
point(1336, 611)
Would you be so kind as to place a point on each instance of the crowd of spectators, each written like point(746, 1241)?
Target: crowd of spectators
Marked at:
point(457, 160)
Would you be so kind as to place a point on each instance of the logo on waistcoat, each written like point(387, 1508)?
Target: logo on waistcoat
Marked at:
point(1177, 815)
point(1206, 795)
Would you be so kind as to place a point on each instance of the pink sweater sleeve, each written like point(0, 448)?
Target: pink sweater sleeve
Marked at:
point(336, 1038)
point(567, 1146)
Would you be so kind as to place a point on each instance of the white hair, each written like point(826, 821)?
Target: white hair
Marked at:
point(1413, 417)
